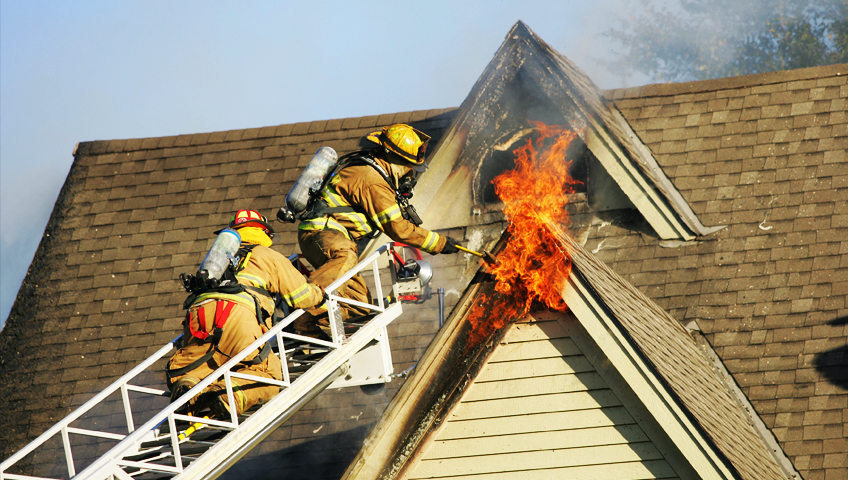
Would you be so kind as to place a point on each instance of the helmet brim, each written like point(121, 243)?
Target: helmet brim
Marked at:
point(252, 223)
point(378, 136)
point(374, 137)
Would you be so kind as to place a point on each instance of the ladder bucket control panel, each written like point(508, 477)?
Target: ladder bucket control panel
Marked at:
point(189, 447)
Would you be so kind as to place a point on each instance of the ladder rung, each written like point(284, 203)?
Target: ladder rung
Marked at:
point(95, 433)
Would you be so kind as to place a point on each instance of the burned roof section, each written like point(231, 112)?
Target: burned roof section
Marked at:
point(528, 82)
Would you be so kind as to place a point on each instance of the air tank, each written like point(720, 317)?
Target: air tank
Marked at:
point(324, 160)
point(216, 261)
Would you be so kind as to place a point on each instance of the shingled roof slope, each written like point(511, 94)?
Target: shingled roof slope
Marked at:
point(675, 356)
point(765, 155)
point(102, 292)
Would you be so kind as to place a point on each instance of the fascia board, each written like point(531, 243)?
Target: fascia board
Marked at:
point(635, 185)
point(643, 381)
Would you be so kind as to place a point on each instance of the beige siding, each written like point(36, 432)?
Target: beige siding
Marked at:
point(538, 410)
point(619, 471)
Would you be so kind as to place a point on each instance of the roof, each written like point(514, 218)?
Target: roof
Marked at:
point(766, 155)
point(768, 293)
point(763, 155)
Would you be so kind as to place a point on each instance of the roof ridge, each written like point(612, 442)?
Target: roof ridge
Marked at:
point(94, 147)
point(698, 86)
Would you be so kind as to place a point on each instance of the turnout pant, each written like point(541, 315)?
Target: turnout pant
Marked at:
point(332, 254)
point(240, 329)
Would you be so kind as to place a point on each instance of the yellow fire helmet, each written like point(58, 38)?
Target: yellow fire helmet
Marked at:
point(403, 140)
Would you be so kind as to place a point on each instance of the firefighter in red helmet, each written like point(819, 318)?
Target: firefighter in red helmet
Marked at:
point(221, 322)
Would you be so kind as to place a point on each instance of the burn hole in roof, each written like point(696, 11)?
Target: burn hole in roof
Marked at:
point(501, 158)
point(521, 102)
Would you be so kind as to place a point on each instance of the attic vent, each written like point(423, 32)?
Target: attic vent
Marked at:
point(501, 158)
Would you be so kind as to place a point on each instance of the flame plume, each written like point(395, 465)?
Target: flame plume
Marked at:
point(532, 267)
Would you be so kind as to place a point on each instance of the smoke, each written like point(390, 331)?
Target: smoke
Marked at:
point(113, 70)
point(687, 40)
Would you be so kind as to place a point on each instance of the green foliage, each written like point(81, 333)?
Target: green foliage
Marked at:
point(684, 40)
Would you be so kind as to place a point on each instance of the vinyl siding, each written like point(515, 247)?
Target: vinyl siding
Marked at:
point(539, 410)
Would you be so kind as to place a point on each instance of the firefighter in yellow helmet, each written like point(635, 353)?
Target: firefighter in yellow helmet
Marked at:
point(222, 321)
point(368, 195)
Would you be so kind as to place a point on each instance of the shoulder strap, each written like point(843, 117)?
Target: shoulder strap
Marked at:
point(317, 207)
point(369, 160)
point(243, 254)
point(407, 211)
point(362, 157)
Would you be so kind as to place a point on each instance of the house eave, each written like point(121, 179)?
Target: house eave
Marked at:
point(618, 350)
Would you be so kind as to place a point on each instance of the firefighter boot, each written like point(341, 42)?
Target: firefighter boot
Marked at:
point(179, 388)
point(215, 398)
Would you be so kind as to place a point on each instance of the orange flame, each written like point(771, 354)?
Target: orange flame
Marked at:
point(531, 268)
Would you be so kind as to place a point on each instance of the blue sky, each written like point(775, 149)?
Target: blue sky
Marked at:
point(102, 70)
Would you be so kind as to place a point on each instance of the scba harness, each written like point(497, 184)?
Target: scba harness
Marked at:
point(318, 207)
point(226, 293)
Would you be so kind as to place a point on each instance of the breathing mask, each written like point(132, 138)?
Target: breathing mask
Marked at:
point(406, 184)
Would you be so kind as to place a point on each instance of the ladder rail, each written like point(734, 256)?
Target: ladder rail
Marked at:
point(129, 444)
point(83, 409)
point(272, 414)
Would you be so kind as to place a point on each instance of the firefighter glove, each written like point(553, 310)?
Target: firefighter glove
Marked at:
point(450, 246)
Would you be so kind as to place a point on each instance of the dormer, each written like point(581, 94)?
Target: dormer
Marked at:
point(526, 82)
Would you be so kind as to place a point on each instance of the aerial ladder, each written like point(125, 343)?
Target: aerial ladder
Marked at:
point(177, 445)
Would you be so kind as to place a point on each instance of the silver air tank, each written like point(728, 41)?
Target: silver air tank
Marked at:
point(309, 181)
point(223, 249)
